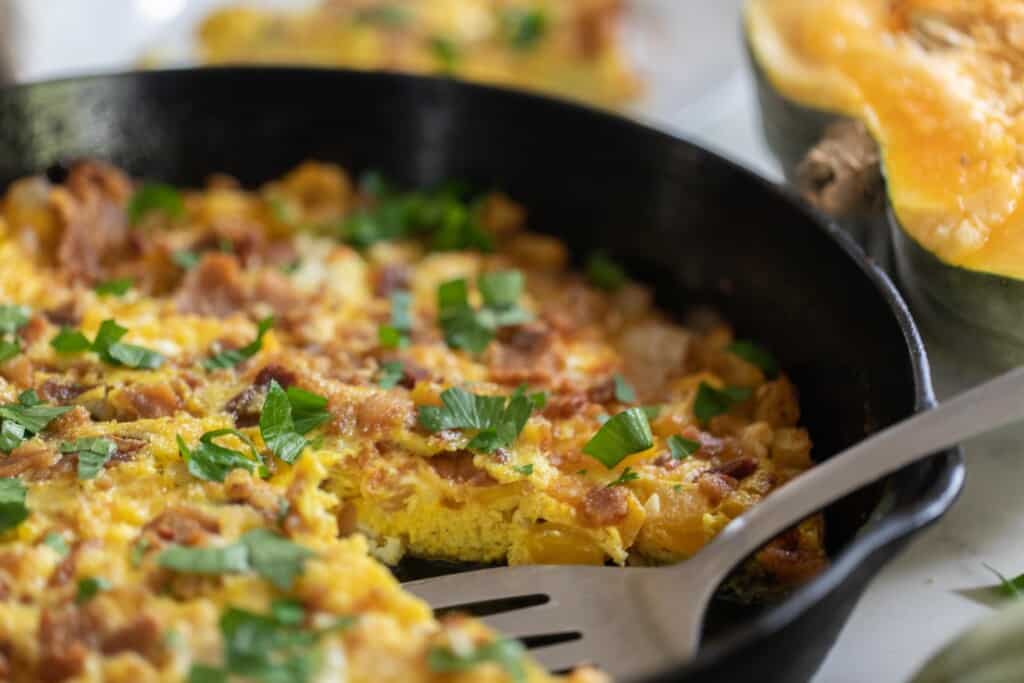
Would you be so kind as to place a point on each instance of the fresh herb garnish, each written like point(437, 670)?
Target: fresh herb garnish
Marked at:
point(93, 454)
point(108, 346)
point(185, 259)
point(396, 334)
point(628, 475)
point(12, 319)
point(1010, 587)
point(264, 552)
point(390, 374)
point(286, 416)
point(506, 653)
point(232, 357)
point(472, 330)
point(118, 287)
point(25, 418)
point(626, 433)
point(624, 391)
point(757, 355)
point(497, 419)
point(524, 28)
point(89, 587)
point(604, 273)
point(682, 448)
point(389, 16)
point(56, 543)
point(210, 461)
point(269, 648)
point(711, 402)
point(445, 51)
point(155, 197)
point(525, 470)
point(13, 510)
point(652, 412)
point(138, 552)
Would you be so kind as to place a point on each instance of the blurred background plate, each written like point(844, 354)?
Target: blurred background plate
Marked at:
point(687, 52)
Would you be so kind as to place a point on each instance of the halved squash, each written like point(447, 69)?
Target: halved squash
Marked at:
point(939, 85)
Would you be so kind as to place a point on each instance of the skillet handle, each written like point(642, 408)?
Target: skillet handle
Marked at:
point(989, 406)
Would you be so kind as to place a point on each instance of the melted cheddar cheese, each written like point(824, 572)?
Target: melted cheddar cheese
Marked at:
point(561, 47)
point(369, 481)
point(938, 84)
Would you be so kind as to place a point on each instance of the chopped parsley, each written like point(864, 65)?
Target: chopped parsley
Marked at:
point(711, 402)
point(757, 355)
point(524, 28)
point(269, 648)
point(89, 587)
point(624, 391)
point(138, 552)
point(287, 416)
point(628, 475)
point(682, 448)
point(56, 543)
point(1010, 587)
point(525, 470)
point(389, 16)
point(470, 329)
point(118, 287)
point(264, 552)
point(13, 510)
point(604, 273)
point(390, 374)
point(232, 357)
point(185, 259)
point(12, 319)
point(626, 433)
point(26, 418)
point(507, 654)
point(155, 197)
point(108, 346)
point(445, 51)
point(210, 461)
point(498, 420)
point(396, 334)
point(652, 412)
point(93, 454)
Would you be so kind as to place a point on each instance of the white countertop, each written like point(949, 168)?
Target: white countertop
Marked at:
point(916, 604)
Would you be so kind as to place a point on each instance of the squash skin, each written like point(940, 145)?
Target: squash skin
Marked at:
point(979, 316)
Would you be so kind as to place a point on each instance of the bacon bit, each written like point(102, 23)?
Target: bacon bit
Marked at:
point(603, 392)
point(789, 563)
point(458, 468)
point(390, 278)
point(605, 506)
point(68, 314)
point(215, 287)
point(564, 406)
point(716, 486)
point(665, 461)
point(147, 401)
point(33, 330)
point(412, 373)
point(127, 447)
point(65, 571)
point(141, 635)
point(31, 456)
point(739, 468)
point(95, 229)
point(18, 370)
point(380, 413)
point(278, 373)
point(530, 338)
point(70, 422)
point(245, 407)
point(275, 289)
point(181, 526)
point(55, 391)
point(66, 634)
point(241, 487)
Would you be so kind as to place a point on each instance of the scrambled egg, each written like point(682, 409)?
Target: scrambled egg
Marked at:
point(232, 467)
point(558, 46)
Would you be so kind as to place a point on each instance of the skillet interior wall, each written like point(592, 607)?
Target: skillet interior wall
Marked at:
point(702, 230)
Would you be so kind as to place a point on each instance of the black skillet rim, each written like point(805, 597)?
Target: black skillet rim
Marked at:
point(913, 510)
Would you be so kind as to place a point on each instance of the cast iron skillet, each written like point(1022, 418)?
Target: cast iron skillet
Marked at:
point(700, 228)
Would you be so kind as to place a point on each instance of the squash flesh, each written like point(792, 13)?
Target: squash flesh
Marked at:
point(934, 80)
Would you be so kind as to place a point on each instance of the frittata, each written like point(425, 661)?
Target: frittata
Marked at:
point(567, 47)
point(221, 410)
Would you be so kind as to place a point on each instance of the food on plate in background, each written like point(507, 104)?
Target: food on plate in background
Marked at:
point(565, 47)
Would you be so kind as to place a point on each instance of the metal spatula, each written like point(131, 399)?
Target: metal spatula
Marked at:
point(635, 621)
